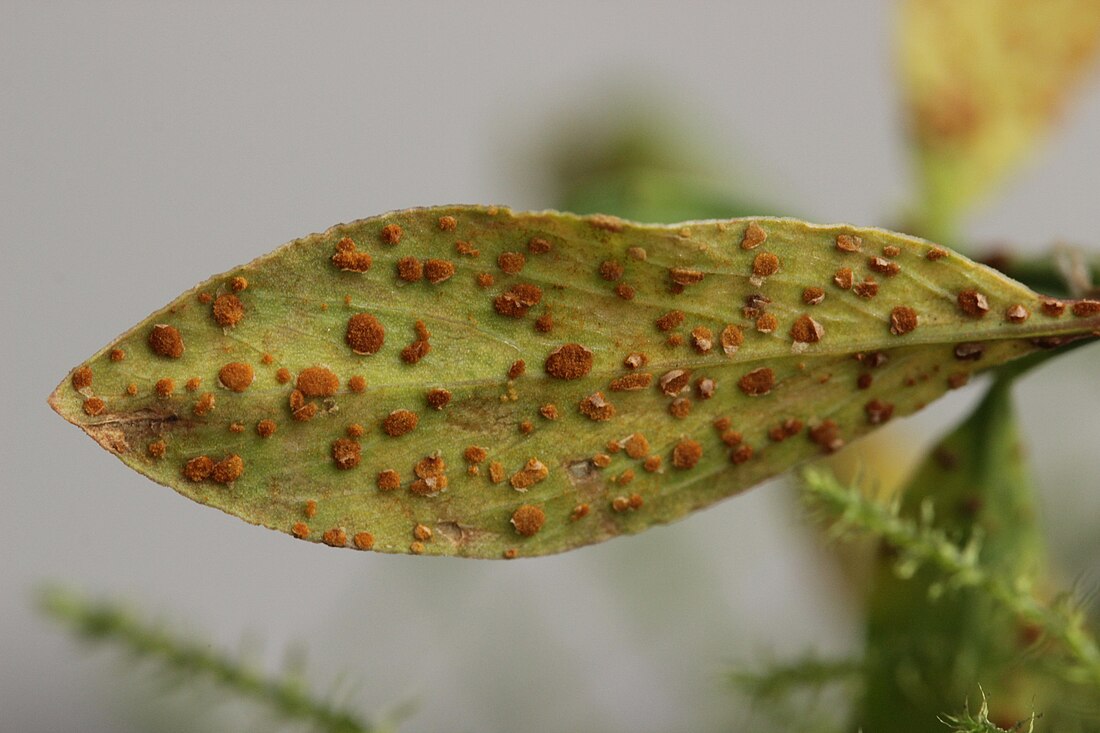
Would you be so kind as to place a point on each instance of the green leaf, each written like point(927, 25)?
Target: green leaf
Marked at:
point(984, 79)
point(567, 421)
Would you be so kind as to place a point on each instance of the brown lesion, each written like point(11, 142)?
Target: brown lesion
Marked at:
point(117, 432)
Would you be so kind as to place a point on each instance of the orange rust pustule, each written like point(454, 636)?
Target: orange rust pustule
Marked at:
point(538, 246)
point(363, 541)
point(357, 383)
point(166, 341)
point(569, 361)
point(765, 264)
point(702, 339)
point(636, 445)
point(283, 376)
point(866, 289)
point(849, 243)
point(94, 406)
point(680, 407)
point(82, 378)
point(884, 266)
point(204, 404)
point(903, 320)
point(349, 258)
point(157, 449)
point(266, 428)
point(843, 278)
point(533, 472)
point(611, 270)
point(437, 271)
point(132, 389)
point(731, 339)
point(1053, 308)
point(669, 321)
point(335, 537)
point(813, 295)
point(346, 453)
point(757, 382)
point(198, 469)
point(227, 470)
point(674, 381)
point(484, 279)
point(300, 409)
point(549, 411)
point(365, 334)
point(400, 422)
point(228, 310)
point(475, 454)
point(686, 453)
point(318, 381)
point(391, 233)
point(544, 323)
point(511, 262)
point(388, 480)
point(238, 283)
point(117, 355)
point(438, 398)
point(878, 411)
point(625, 291)
point(1017, 313)
point(447, 223)
point(753, 237)
point(528, 520)
point(631, 382)
point(595, 407)
point(165, 387)
point(767, 323)
point(652, 464)
point(806, 330)
point(236, 376)
point(973, 303)
point(519, 366)
point(1086, 308)
point(496, 472)
point(355, 430)
point(517, 300)
point(410, 269)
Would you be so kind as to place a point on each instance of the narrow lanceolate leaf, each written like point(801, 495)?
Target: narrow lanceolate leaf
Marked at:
point(984, 79)
point(477, 382)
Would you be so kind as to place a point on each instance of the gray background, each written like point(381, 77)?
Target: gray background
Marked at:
point(144, 148)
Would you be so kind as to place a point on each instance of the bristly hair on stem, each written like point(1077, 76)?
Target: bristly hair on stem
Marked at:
point(967, 722)
point(109, 623)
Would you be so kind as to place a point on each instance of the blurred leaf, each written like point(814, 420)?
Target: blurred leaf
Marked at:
point(983, 80)
point(572, 400)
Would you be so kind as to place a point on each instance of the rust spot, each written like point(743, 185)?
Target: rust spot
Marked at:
point(601, 460)
point(891, 250)
point(753, 237)
point(731, 437)
point(849, 243)
point(533, 472)
point(1086, 308)
point(903, 320)
point(569, 361)
point(496, 472)
point(346, 453)
point(205, 404)
point(680, 407)
point(388, 480)
point(300, 530)
point(827, 435)
point(484, 279)
point(652, 464)
point(467, 250)
point(704, 387)
point(417, 548)
point(82, 378)
point(117, 355)
point(283, 375)
point(517, 300)
point(447, 223)
point(400, 422)
point(363, 541)
point(806, 330)
point(1053, 308)
point(674, 381)
point(236, 427)
point(318, 381)
point(843, 278)
point(765, 264)
point(192, 384)
point(970, 351)
point(349, 258)
point(1016, 313)
point(410, 269)
point(198, 469)
point(595, 407)
point(878, 411)
point(731, 339)
point(813, 295)
point(300, 409)
point(757, 382)
point(528, 520)
point(93, 406)
point(863, 381)
point(686, 453)
point(702, 339)
point(684, 276)
point(205, 298)
point(767, 323)
point(422, 532)
point(419, 348)
point(722, 423)
point(549, 411)
point(511, 262)
point(238, 284)
point(236, 376)
point(519, 366)
point(580, 511)
point(527, 427)
point(884, 266)
point(636, 445)
point(475, 454)
point(157, 449)
point(391, 233)
point(631, 382)
point(438, 398)
point(538, 246)
point(544, 323)
point(670, 320)
point(266, 428)
point(429, 485)
point(956, 380)
point(611, 270)
point(741, 454)
point(625, 291)
point(866, 289)
point(357, 383)
point(166, 341)
point(228, 310)
point(227, 470)
point(973, 303)
point(607, 222)
point(335, 537)
point(634, 360)
point(437, 271)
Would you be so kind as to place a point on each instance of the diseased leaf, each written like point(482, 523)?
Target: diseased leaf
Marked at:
point(477, 382)
point(983, 80)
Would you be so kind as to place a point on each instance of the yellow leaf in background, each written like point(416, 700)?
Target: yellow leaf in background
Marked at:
point(982, 80)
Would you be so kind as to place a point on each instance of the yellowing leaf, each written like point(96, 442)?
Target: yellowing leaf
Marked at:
point(984, 79)
point(472, 381)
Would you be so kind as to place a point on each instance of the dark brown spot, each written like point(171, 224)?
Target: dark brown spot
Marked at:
point(878, 411)
point(884, 266)
point(437, 271)
point(236, 376)
point(973, 303)
point(391, 234)
point(166, 341)
point(538, 246)
point(511, 262)
point(528, 520)
point(611, 270)
point(670, 320)
point(741, 454)
point(228, 310)
point(680, 407)
point(849, 243)
point(1016, 313)
point(228, 469)
point(757, 382)
point(1086, 308)
point(519, 366)
point(765, 264)
point(686, 453)
point(198, 469)
point(438, 398)
point(813, 295)
point(903, 320)
point(595, 407)
point(266, 428)
point(786, 429)
point(863, 381)
point(625, 291)
point(806, 330)
point(388, 480)
point(631, 382)
point(517, 300)
point(827, 435)
point(1053, 308)
point(82, 378)
point(955, 380)
point(684, 276)
point(753, 237)
point(936, 253)
point(866, 289)
point(569, 361)
point(674, 381)
point(349, 258)
point(843, 278)
point(400, 422)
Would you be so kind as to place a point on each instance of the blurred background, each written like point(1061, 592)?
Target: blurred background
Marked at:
point(144, 148)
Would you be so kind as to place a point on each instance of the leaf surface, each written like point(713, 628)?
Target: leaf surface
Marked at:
point(570, 378)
